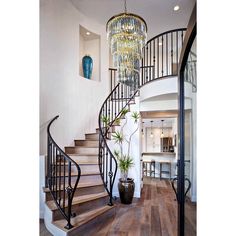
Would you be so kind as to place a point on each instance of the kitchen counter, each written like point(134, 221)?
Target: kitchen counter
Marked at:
point(158, 154)
point(161, 157)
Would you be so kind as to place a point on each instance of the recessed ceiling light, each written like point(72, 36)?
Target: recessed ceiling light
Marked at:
point(88, 33)
point(160, 43)
point(176, 8)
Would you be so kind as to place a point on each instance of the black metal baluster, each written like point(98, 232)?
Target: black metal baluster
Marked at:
point(111, 79)
point(154, 59)
point(106, 166)
point(64, 187)
point(48, 180)
point(158, 57)
point(53, 172)
point(144, 58)
point(177, 48)
point(150, 58)
point(166, 54)
point(172, 53)
point(56, 173)
point(146, 64)
point(118, 105)
point(115, 104)
point(103, 166)
point(48, 163)
point(142, 72)
point(122, 94)
point(162, 47)
point(59, 200)
point(110, 175)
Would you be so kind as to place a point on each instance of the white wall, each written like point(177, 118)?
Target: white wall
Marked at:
point(135, 151)
point(154, 143)
point(41, 185)
point(62, 90)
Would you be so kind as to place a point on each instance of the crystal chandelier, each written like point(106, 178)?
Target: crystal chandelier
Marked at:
point(127, 34)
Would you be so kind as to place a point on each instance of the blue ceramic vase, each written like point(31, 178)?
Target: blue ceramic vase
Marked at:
point(87, 63)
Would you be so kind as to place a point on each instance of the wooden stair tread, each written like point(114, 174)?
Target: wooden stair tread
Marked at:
point(81, 154)
point(79, 199)
point(82, 173)
point(79, 163)
point(80, 185)
point(82, 218)
point(81, 147)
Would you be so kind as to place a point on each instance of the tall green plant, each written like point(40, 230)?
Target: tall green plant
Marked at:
point(125, 161)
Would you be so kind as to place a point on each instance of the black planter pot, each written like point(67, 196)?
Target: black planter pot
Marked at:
point(126, 190)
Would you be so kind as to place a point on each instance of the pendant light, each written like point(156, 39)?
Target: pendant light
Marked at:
point(151, 135)
point(162, 134)
point(127, 35)
point(142, 129)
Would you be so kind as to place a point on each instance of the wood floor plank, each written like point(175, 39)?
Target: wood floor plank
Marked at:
point(155, 221)
point(154, 214)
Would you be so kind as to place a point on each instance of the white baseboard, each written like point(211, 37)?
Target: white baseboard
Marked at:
point(194, 198)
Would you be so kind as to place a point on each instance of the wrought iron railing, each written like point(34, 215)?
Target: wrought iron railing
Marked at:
point(59, 177)
point(119, 98)
point(160, 57)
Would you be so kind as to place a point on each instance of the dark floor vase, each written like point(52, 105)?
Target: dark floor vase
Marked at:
point(87, 62)
point(126, 190)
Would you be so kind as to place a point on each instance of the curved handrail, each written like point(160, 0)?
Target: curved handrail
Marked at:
point(119, 98)
point(59, 177)
point(166, 32)
point(161, 55)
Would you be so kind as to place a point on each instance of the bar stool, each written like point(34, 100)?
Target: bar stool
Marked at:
point(152, 168)
point(168, 163)
point(144, 168)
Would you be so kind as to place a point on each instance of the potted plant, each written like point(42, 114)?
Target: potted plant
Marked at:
point(125, 161)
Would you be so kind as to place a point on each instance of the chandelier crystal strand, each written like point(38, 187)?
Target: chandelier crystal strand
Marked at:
point(127, 34)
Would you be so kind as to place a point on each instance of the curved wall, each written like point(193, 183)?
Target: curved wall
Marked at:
point(162, 95)
point(62, 90)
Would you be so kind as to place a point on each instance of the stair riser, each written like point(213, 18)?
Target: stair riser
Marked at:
point(94, 225)
point(87, 143)
point(84, 168)
point(81, 150)
point(92, 136)
point(81, 191)
point(83, 179)
point(95, 136)
point(112, 130)
point(82, 207)
point(83, 159)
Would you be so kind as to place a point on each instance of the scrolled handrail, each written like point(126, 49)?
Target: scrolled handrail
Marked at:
point(59, 177)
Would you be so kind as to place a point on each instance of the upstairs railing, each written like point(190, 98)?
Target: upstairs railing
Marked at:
point(110, 112)
point(59, 177)
point(160, 57)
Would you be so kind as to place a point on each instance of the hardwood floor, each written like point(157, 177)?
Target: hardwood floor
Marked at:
point(154, 214)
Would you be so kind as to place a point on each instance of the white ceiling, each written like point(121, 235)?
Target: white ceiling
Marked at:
point(158, 14)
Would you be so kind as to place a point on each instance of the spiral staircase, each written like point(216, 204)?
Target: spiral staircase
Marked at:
point(79, 179)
